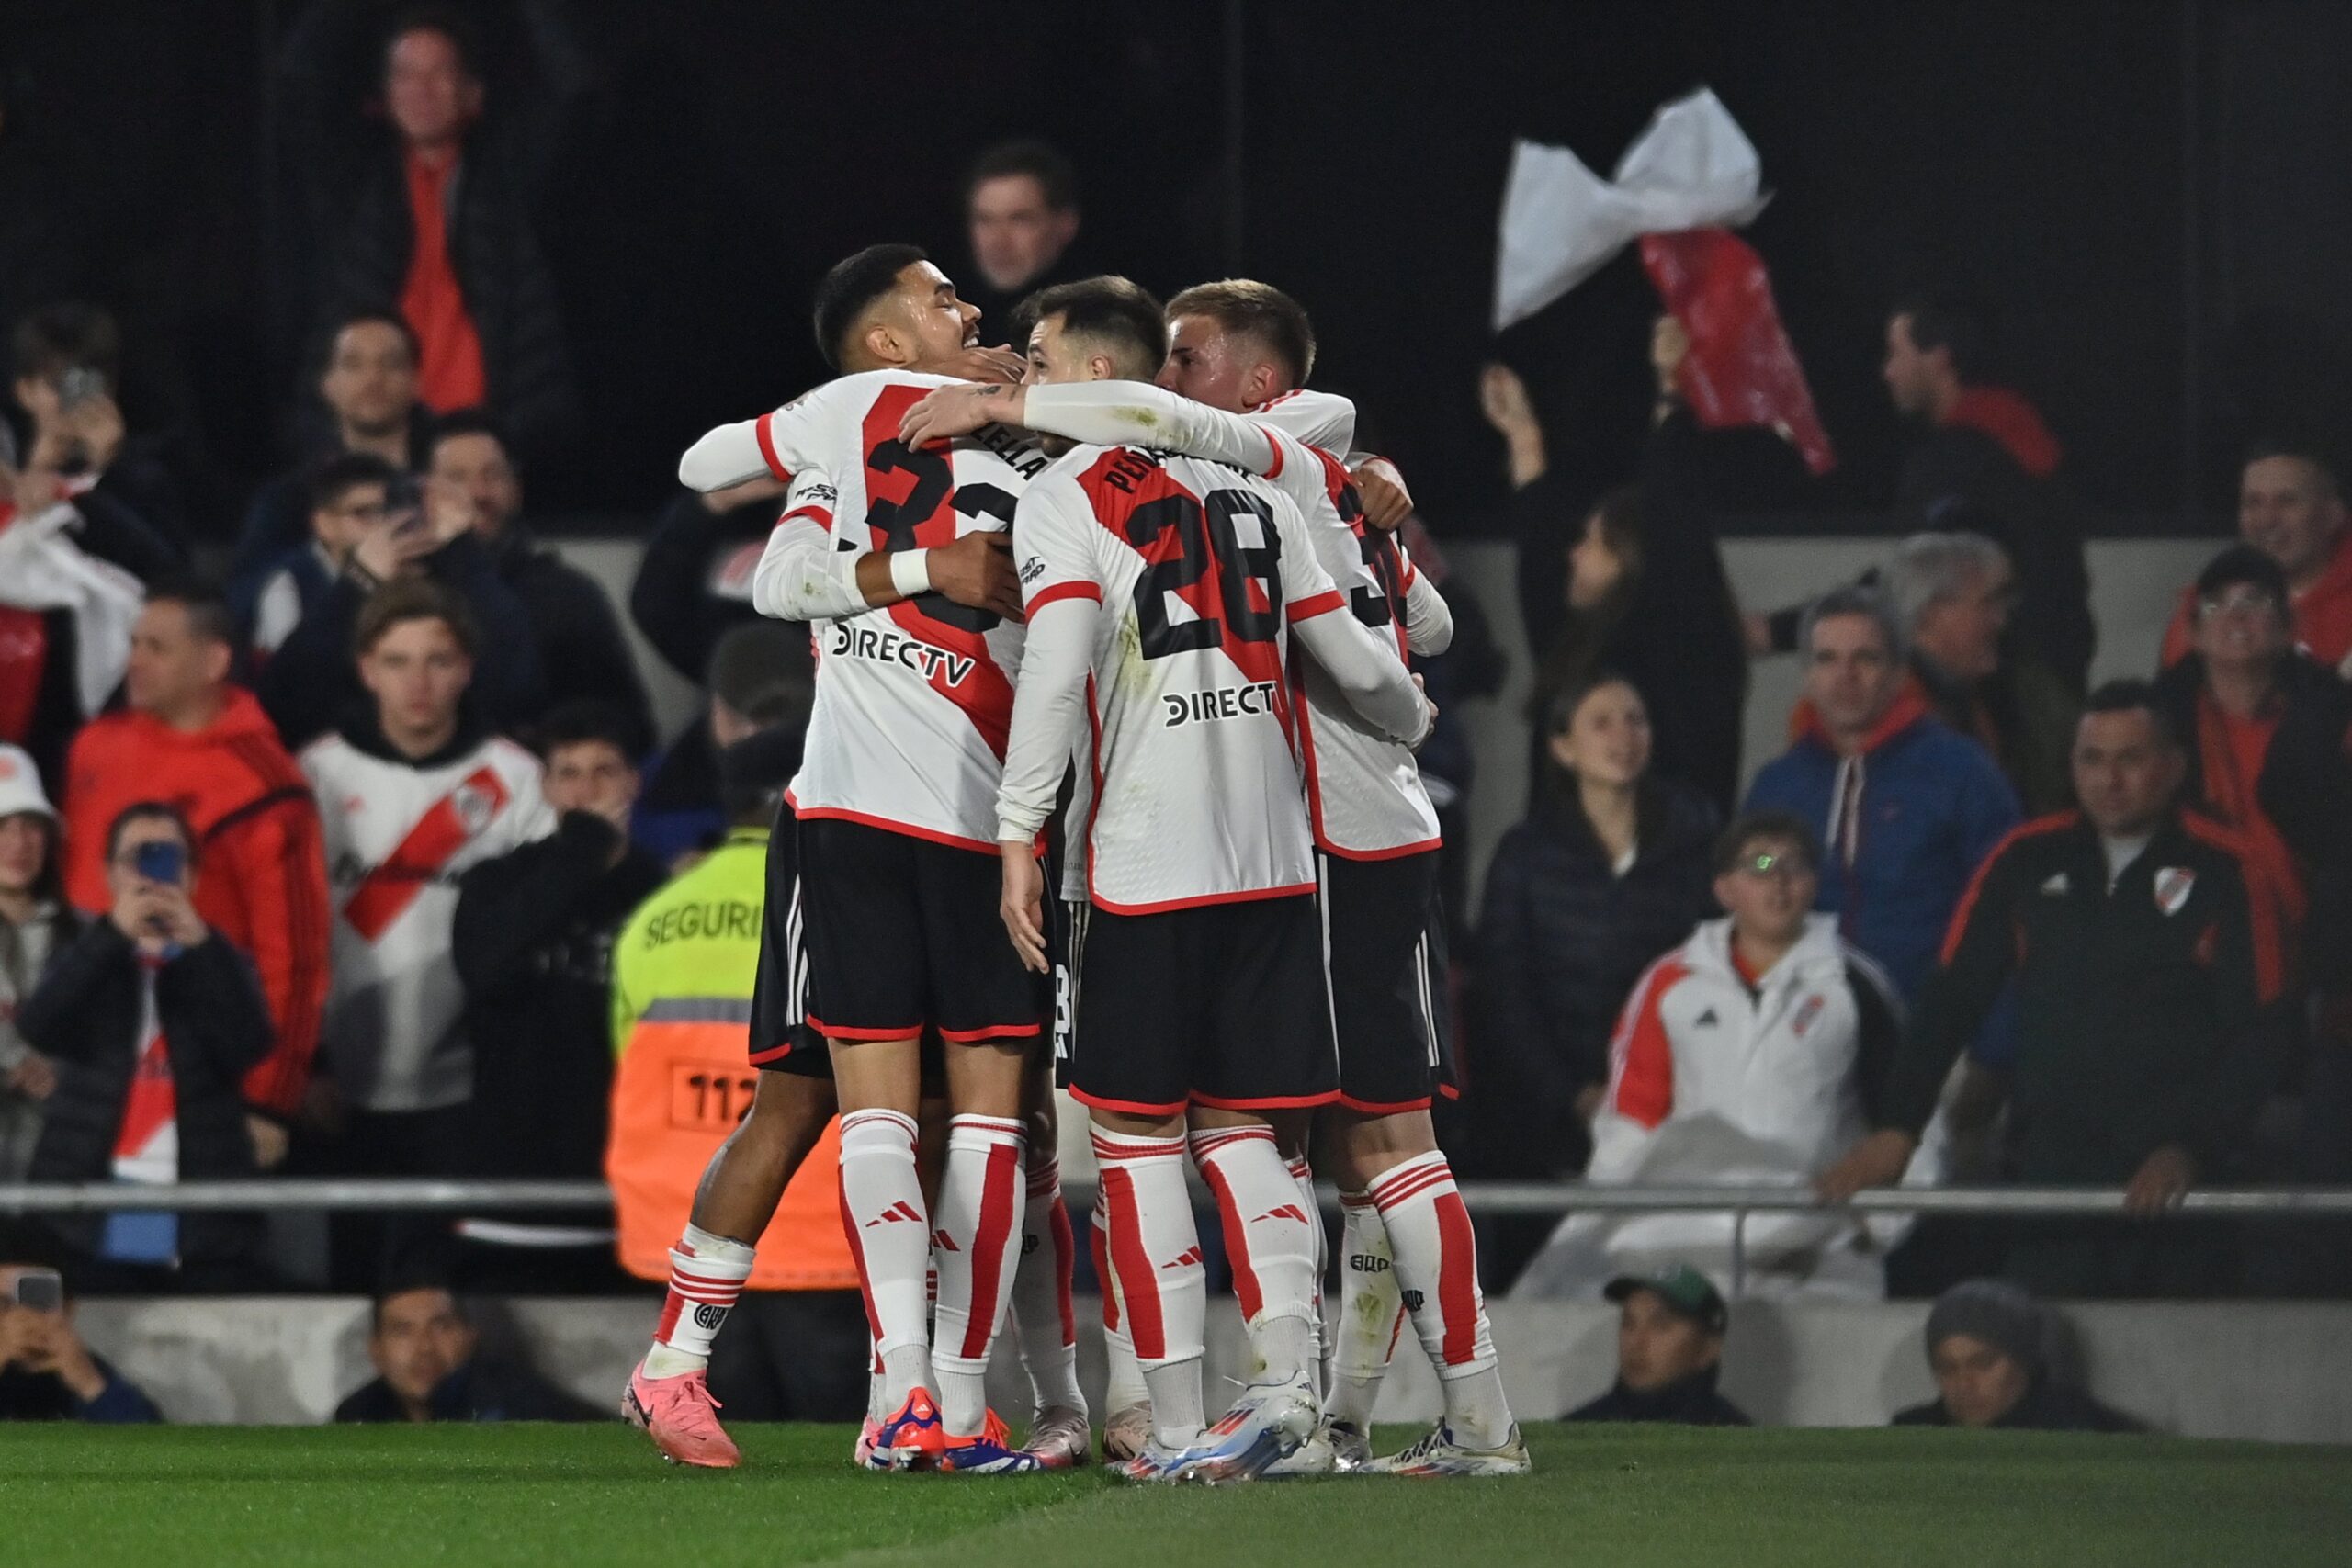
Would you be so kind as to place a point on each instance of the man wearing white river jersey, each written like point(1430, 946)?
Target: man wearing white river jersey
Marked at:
point(1242, 346)
point(896, 851)
point(1162, 591)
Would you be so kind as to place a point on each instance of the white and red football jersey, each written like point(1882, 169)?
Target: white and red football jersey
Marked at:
point(1199, 571)
point(1365, 798)
point(913, 700)
point(398, 837)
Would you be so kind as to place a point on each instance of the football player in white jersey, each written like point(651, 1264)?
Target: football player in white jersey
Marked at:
point(1241, 350)
point(1162, 593)
point(908, 586)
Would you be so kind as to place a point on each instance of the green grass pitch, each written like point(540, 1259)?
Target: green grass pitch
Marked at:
point(570, 1497)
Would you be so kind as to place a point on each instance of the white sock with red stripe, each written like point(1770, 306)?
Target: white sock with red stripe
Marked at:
point(1437, 1269)
point(977, 1247)
point(1043, 1324)
point(1163, 1289)
point(706, 1274)
point(1123, 1384)
point(1372, 1311)
point(1302, 1176)
point(889, 1236)
point(1269, 1241)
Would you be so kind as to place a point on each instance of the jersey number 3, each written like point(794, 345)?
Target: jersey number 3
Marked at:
point(1206, 546)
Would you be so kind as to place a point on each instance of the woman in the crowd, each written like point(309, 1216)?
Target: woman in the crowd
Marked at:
point(1644, 593)
point(1610, 869)
point(35, 921)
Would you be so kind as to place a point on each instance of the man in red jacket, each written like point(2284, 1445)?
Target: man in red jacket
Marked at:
point(192, 738)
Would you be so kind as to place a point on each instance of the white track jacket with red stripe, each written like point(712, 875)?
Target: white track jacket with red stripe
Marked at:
point(1714, 1079)
point(399, 834)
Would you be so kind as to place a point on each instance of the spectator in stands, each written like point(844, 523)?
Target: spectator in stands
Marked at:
point(1986, 449)
point(349, 497)
point(152, 1021)
point(310, 683)
point(533, 940)
point(759, 673)
point(1753, 1053)
point(2242, 684)
point(1020, 211)
point(439, 228)
point(2148, 985)
point(1988, 1345)
point(694, 582)
point(1670, 1326)
point(369, 386)
point(35, 923)
point(1610, 869)
point(684, 978)
point(413, 791)
point(71, 575)
point(67, 364)
point(2291, 507)
point(47, 1373)
point(192, 738)
point(1952, 595)
point(1904, 808)
point(1642, 594)
point(430, 1366)
point(582, 652)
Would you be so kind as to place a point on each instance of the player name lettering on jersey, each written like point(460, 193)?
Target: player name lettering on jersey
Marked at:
point(1225, 702)
point(925, 679)
point(851, 640)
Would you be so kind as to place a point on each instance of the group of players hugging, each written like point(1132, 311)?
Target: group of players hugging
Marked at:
point(1110, 779)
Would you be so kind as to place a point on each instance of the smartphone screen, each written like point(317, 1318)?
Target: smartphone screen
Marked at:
point(41, 1289)
point(160, 859)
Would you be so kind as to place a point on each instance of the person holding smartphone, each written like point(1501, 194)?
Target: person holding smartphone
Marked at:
point(151, 1019)
point(47, 1373)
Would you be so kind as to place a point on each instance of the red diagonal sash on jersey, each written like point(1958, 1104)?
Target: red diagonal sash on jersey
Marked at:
point(385, 894)
point(984, 694)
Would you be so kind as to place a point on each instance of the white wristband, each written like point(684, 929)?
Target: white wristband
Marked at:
point(910, 572)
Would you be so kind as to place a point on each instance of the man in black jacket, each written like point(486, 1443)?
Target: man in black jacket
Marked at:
point(533, 941)
point(694, 582)
point(429, 1367)
point(1984, 448)
point(2148, 983)
point(1669, 1352)
point(435, 220)
point(311, 681)
point(151, 1019)
point(582, 652)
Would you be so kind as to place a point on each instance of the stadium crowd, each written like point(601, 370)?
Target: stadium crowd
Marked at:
point(364, 858)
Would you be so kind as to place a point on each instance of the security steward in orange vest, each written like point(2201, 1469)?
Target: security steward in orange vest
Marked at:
point(794, 1348)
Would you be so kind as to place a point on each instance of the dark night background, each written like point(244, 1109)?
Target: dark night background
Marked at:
point(2151, 196)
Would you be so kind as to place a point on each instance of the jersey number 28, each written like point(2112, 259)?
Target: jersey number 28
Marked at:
point(1206, 546)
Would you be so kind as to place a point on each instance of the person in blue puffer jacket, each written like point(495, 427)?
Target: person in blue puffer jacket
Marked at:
point(1907, 809)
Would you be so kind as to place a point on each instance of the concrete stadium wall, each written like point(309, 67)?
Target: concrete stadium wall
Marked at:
point(2134, 583)
point(2279, 1371)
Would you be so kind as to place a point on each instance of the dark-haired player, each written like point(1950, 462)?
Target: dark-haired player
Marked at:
point(909, 594)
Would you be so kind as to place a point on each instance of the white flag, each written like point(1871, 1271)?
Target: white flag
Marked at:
point(1692, 168)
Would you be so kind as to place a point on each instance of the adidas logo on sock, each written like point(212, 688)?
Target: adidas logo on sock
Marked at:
point(895, 1213)
point(1191, 1255)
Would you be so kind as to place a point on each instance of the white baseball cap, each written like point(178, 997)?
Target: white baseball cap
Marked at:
point(20, 785)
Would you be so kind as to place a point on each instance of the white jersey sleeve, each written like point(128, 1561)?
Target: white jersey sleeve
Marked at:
point(1428, 623)
point(804, 574)
point(1319, 419)
point(1136, 413)
point(773, 445)
point(1061, 593)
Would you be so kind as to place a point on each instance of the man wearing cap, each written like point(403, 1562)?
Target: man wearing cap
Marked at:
point(1670, 1351)
point(1988, 1347)
point(2262, 723)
